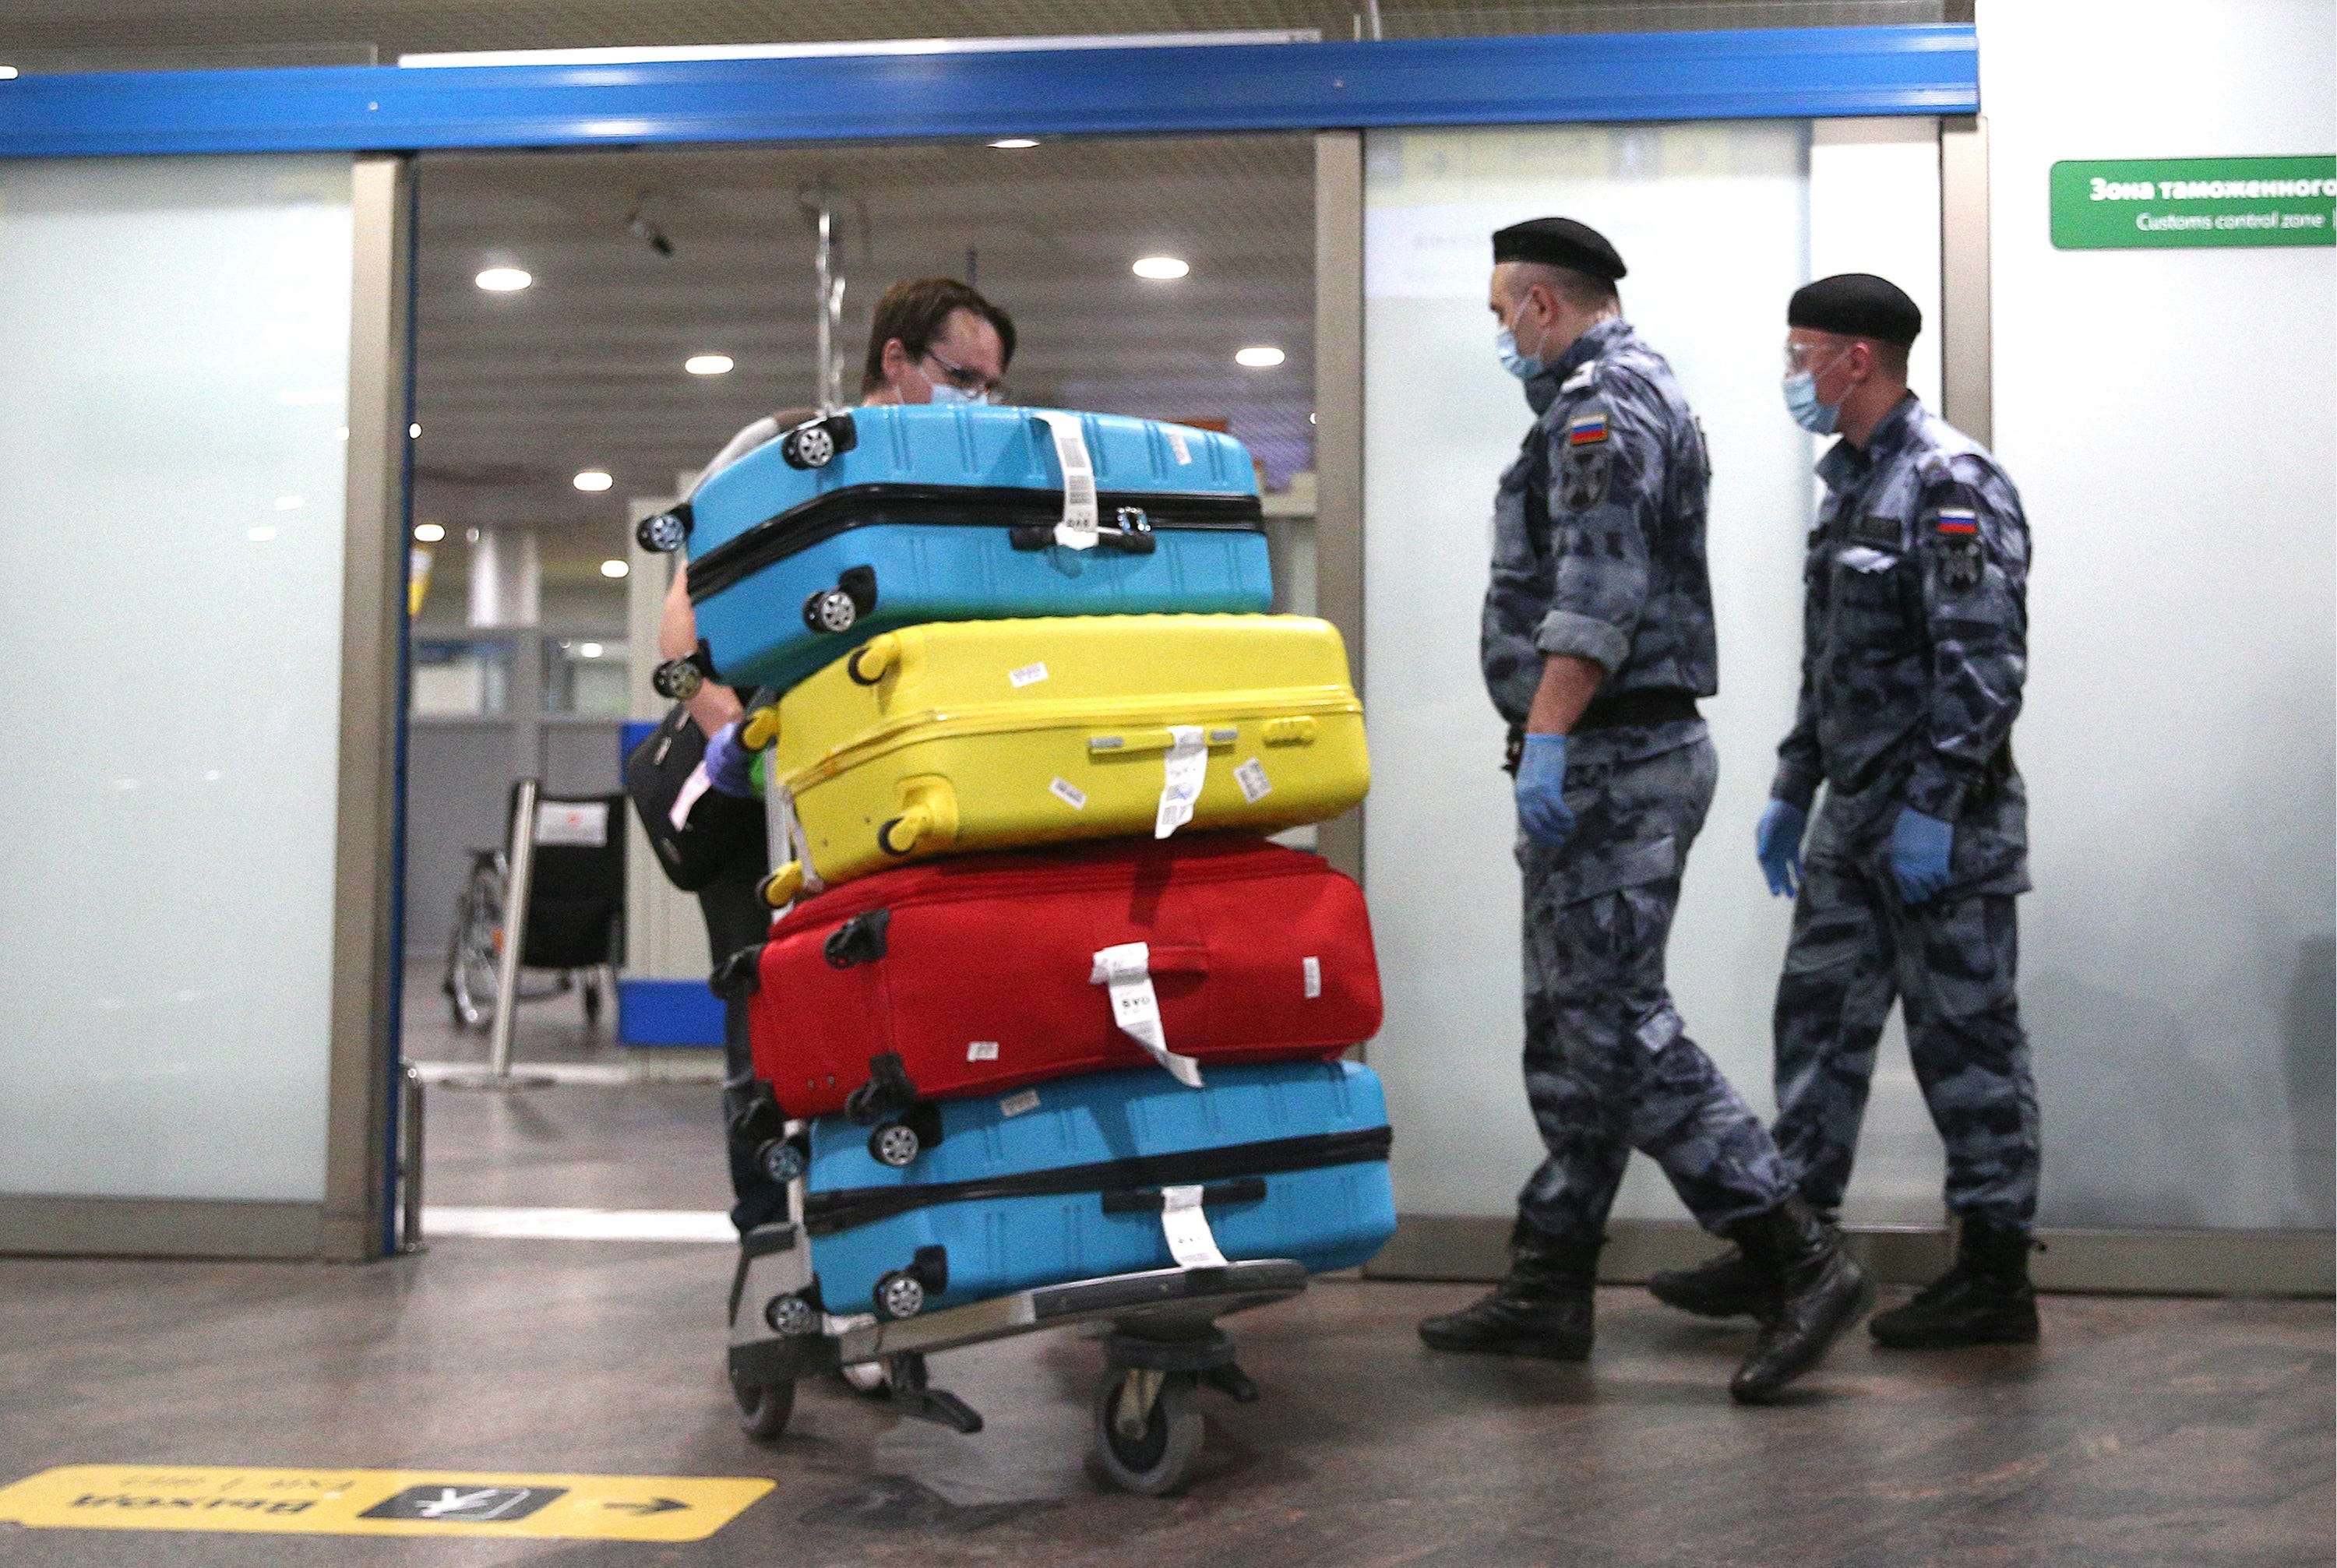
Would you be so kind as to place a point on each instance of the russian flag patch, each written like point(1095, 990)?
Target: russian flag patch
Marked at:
point(1957, 523)
point(1586, 430)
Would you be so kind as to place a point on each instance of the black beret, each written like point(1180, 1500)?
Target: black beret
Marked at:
point(1558, 242)
point(1856, 305)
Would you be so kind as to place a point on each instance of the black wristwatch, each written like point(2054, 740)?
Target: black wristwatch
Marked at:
point(680, 679)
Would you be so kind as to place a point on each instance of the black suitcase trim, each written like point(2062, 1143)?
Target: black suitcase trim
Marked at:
point(825, 516)
point(846, 1208)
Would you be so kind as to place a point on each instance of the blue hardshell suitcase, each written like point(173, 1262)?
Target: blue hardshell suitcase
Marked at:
point(1064, 1183)
point(878, 517)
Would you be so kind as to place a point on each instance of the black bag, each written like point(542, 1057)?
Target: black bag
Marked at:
point(721, 832)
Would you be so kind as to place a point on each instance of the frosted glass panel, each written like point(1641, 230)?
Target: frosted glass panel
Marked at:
point(1713, 223)
point(173, 438)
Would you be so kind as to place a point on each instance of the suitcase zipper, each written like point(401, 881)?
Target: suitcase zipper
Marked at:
point(845, 1209)
point(823, 517)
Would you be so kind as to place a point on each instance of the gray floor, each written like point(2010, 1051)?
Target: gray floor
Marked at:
point(2142, 1432)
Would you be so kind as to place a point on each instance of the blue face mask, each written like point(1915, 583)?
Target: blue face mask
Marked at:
point(945, 393)
point(1801, 402)
point(1524, 366)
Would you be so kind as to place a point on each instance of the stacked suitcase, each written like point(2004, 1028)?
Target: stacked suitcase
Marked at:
point(1044, 1006)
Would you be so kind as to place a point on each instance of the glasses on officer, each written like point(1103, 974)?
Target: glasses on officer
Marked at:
point(967, 379)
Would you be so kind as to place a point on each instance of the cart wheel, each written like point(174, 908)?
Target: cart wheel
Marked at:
point(764, 1407)
point(1158, 1461)
point(896, 1145)
point(830, 610)
point(592, 1001)
point(899, 1295)
point(808, 446)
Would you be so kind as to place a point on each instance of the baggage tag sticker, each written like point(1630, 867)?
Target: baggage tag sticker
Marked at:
point(1028, 675)
point(982, 1051)
point(1127, 970)
point(1180, 787)
point(1251, 776)
point(1190, 1241)
point(1015, 1104)
point(1312, 968)
point(1182, 448)
point(1070, 794)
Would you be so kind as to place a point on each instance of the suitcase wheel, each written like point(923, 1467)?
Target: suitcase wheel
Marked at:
point(1147, 1429)
point(760, 730)
point(665, 533)
point(868, 662)
point(781, 887)
point(791, 1317)
point(782, 1161)
point(899, 834)
point(830, 610)
point(895, 1144)
point(808, 446)
point(899, 1295)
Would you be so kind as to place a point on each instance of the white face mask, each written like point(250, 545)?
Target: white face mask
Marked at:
point(1524, 366)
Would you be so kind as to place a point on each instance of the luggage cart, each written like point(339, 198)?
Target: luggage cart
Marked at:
point(1161, 1345)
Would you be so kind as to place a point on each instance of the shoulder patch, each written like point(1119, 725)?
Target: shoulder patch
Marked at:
point(1955, 530)
point(1956, 522)
point(1587, 430)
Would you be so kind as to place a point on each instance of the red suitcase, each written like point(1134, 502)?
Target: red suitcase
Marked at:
point(983, 973)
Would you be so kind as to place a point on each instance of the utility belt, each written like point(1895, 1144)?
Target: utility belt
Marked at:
point(1649, 705)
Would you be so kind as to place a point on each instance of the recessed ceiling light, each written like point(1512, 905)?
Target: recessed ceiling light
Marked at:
point(7, 73)
point(1258, 357)
point(589, 650)
point(614, 568)
point(1161, 268)
point(429, 532)
point(708, 364)
point(412, 432)
point(503, 280)
point(593, 479)
point(1013, 143)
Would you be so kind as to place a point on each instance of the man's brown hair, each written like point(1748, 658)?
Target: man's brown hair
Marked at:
point(916, 312)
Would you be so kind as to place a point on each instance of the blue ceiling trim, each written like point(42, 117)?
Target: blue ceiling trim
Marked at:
point(1783, 72)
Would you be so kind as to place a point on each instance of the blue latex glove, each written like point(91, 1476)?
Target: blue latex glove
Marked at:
point(1542, 791)
point(729, 765)
point(1918, 854)
point(1777, 845)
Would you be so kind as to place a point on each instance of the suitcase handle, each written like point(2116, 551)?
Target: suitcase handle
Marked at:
point(1143, 742)
point(1149, 1200)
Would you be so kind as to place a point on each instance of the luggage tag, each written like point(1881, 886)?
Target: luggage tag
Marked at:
point(789, 841)
point(1190, 1241)
point(1081, 523)
point(1127, 969)
point(1180, 789)
point(696, 785)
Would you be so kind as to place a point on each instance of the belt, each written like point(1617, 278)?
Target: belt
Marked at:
point(1661, 705)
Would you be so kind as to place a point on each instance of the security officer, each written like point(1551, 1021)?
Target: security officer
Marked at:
point(1598, 640)
point(1915, 649)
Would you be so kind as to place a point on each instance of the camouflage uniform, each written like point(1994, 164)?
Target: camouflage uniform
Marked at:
point(1599, 552)
point(1915, 649)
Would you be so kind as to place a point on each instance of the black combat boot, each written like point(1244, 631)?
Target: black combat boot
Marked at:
point(1542, 1307)
point(1727, 1286)
point(1983, 1298)
point(1817, 1289)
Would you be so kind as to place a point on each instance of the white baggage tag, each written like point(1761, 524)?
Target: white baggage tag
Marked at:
point(1181, 786)
point(1190, 1241)
point(1127, 969)
point(696, 785)
point(1078, 529)
point(788, 839)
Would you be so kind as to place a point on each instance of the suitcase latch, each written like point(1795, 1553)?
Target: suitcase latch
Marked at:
point(859, 940)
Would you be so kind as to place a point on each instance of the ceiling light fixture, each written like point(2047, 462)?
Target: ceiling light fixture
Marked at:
point(593, 479)
point(412, 432)
point(1258, 357)
point(429, 532)
point(589, 650)
point(1013, 143)
point(615, 569)
point(708, 363)
point(503, 280)
point(1161, 268)
point(7, 73)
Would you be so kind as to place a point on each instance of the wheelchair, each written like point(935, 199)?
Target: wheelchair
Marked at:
point(575, 912)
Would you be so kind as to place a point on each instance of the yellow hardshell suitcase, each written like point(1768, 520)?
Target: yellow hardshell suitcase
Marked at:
point(961, 735)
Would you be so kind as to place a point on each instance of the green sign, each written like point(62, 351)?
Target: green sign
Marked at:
point(2126, 203)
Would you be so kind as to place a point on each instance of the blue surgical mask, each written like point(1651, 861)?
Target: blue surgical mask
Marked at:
point(1801, 402)
point(1524, 366)
point(945, 393)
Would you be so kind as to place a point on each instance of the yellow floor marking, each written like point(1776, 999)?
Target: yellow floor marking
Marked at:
point(379, 1502)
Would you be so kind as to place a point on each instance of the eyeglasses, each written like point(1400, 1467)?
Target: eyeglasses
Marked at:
point(965, 379)
point(1797, 354)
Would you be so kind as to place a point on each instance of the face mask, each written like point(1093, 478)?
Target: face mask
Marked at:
point(1524, 366)
point(945, 393)
point(1801, 402)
